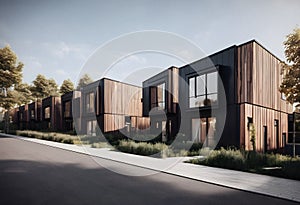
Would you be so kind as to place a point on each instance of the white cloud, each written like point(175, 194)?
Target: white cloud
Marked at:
point(63, 50)
point(61, 72)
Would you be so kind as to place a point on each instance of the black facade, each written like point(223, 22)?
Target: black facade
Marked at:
point(34, 115)
point(225, 112)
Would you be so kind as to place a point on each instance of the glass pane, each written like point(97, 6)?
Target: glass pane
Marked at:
point(94, 125)
point(203, 130)
point(212, 82)
point(212, 99)
point(47, 112)
point(192, 102)
point(200, 85)
point(161, 95)
point(196, 131)
point(92, 102)
point(192, 87)
point(89, 128)
point(199, 101)
point(211, 131)
point(68, 109)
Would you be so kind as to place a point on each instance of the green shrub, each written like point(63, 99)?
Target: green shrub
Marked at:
point(231, 159)
point(50, 136)
point(141, 148)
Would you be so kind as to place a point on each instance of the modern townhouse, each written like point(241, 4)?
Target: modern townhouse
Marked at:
point(34, 115)
point(67, 110)
point(111, 105)
point(220, 97)
point(23, 117)
point(51, 114)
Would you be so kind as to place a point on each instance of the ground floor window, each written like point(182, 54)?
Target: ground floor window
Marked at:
point(203, 130)
point(91, 127)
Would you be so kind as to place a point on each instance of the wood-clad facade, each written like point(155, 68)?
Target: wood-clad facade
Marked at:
point(51, 114)
point(111, 106)
point(258, 80)
point(222, 95)
point(68, 119)
point(34, 115)
point(23, 117)
point(160, 103)
point(214, 101)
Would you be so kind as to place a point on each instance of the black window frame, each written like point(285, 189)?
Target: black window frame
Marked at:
point(206, 92)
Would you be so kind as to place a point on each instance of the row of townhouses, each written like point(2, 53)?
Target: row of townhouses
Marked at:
point(221, 95)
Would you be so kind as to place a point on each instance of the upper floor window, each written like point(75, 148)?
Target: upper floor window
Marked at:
point(158, 96)
point(47, 113)
point(67, 112)
point(90, 102)
point(203, 90)
point(32, 114)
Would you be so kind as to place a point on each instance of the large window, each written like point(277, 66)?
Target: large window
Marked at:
point(32, 114)
point(90, 102)
point(47, 113)
point(158, 96)
point(203, 130)
point(203, 90)
point(67, 112)
point(91, 127)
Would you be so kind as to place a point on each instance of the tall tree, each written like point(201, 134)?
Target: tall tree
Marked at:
point(84, 80)
point(52, 88)
point(23, 94)
point(39, 88)
point(10, 76)
point(43, 87)
point(66, 86)
point(290, 85)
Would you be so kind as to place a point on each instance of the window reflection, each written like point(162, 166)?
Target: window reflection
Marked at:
point(203, 90)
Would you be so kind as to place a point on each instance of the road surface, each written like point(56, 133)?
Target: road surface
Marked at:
point(31, 173)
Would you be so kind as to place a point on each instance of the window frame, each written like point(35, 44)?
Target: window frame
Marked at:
point(157, 102)
point(47, 116)
point(67, 114)
point(89, 108)
point(197, 94)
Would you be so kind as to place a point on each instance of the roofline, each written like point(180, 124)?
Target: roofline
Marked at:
point(165, 70)
point(255, 41)
point(209, 56)
point(105, 78)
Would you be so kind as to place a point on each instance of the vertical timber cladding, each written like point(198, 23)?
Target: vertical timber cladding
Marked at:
point(258, 81)
point(122, 100)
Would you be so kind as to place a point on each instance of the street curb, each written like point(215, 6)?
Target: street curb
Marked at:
point(44, 142)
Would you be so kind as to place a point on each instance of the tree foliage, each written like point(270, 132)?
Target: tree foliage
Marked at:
point(10, 76)
point(290, 85)
point(84, 80)
point(43, 87)
point(23, 94)
point(66, 86)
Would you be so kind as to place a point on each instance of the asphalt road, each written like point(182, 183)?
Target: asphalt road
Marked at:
point(31, 173)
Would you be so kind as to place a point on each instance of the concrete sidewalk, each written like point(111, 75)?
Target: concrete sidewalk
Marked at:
point(267, 185)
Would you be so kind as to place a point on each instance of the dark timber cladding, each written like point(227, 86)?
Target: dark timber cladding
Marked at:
point(161, 93)
point(23, 117)
point(250, 77)
point(34, 114)
point(109, 103)
point(51, 114)
point(258, 80)
point(201, 117)
point(66, 110)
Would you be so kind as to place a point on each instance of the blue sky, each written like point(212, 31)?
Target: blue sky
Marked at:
point(55, 38)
